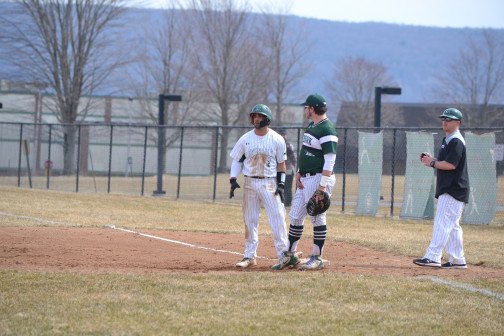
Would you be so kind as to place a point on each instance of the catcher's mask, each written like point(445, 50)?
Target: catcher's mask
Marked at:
point(262, 110)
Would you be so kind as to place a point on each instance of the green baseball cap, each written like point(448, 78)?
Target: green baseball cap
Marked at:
point(315, 100)
point(452, 113)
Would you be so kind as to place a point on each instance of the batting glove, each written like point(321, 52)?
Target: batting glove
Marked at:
point(280, 190)
point(234, 185)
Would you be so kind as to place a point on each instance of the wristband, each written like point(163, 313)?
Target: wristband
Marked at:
point(281, 178)
point(433, 164)
point(323, 181)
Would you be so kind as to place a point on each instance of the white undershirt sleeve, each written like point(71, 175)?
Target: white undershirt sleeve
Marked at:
point(329, 160)
point(236, 168)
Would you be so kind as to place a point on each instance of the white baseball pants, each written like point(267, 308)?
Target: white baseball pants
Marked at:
point(255, 193)
point(302, 196)
point(447, 232)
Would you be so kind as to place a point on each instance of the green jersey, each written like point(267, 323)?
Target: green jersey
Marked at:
point(318, 139)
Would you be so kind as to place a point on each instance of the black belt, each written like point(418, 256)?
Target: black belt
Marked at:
point(258, 177)
point(308, 174)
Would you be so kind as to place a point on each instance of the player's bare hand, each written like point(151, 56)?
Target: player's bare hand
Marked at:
point(234, 185)
point(320, 195)
point(299, 184)
point(426, 158)
point(425, 154)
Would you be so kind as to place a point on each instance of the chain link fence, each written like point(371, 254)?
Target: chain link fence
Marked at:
point(192, 162)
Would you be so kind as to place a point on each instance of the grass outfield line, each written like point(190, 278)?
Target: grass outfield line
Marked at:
point(464, 286)
point(39, 220)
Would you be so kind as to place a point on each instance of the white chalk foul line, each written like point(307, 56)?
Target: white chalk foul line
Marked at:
point(111, 226)
point(178, 242)
point(463, 286)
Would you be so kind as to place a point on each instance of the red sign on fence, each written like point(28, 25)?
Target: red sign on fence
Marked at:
point(48, 164)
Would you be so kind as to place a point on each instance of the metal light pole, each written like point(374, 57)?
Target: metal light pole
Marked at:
point(377, 124)
point(378, 92)
point(161, 141)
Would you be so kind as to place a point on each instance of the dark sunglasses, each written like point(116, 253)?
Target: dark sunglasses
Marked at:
point(447, 119)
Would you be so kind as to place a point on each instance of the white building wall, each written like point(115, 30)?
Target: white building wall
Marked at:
point(127, 155)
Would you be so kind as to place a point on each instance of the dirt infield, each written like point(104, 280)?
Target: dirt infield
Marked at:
point(99, 250)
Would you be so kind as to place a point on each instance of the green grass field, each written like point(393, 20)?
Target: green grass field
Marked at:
point(240, 303)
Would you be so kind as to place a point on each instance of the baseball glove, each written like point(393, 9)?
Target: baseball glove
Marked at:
point(318, 203)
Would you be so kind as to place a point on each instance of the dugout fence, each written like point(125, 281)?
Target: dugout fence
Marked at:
point(378, 172)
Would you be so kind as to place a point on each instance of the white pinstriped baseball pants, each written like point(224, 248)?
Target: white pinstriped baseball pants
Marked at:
point(446, 232)
point(302, 196)
point(255, 193)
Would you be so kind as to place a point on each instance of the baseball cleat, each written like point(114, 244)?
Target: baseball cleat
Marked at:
point(289, 259)
point(426, 262)
point(313, 263)
point(449, 265)
point(246, 262)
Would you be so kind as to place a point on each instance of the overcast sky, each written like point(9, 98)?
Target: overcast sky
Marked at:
point(438, 13)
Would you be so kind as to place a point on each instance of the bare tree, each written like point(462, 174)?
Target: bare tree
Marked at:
point(166, 66)
point(287, 49)
point(354, 81)
point(476, 78)
point(253, 82)
point(222, 35)
point(63, 44)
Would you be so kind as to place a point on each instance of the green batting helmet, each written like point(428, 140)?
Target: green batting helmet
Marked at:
point(265, 111)
point(452, 113)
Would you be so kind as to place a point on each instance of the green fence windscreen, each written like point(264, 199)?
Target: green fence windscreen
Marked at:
point(482, 178)
point(419, 180)
point(370, 172)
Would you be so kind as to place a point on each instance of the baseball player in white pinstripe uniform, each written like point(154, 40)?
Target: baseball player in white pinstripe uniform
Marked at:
point(260, 154)
point(315, 171)
point(452, 191)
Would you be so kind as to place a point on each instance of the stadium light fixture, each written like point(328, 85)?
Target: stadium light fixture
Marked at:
point(378, 92)
point(161, 140)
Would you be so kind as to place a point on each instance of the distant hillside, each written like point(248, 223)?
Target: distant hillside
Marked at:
point(413, 54)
